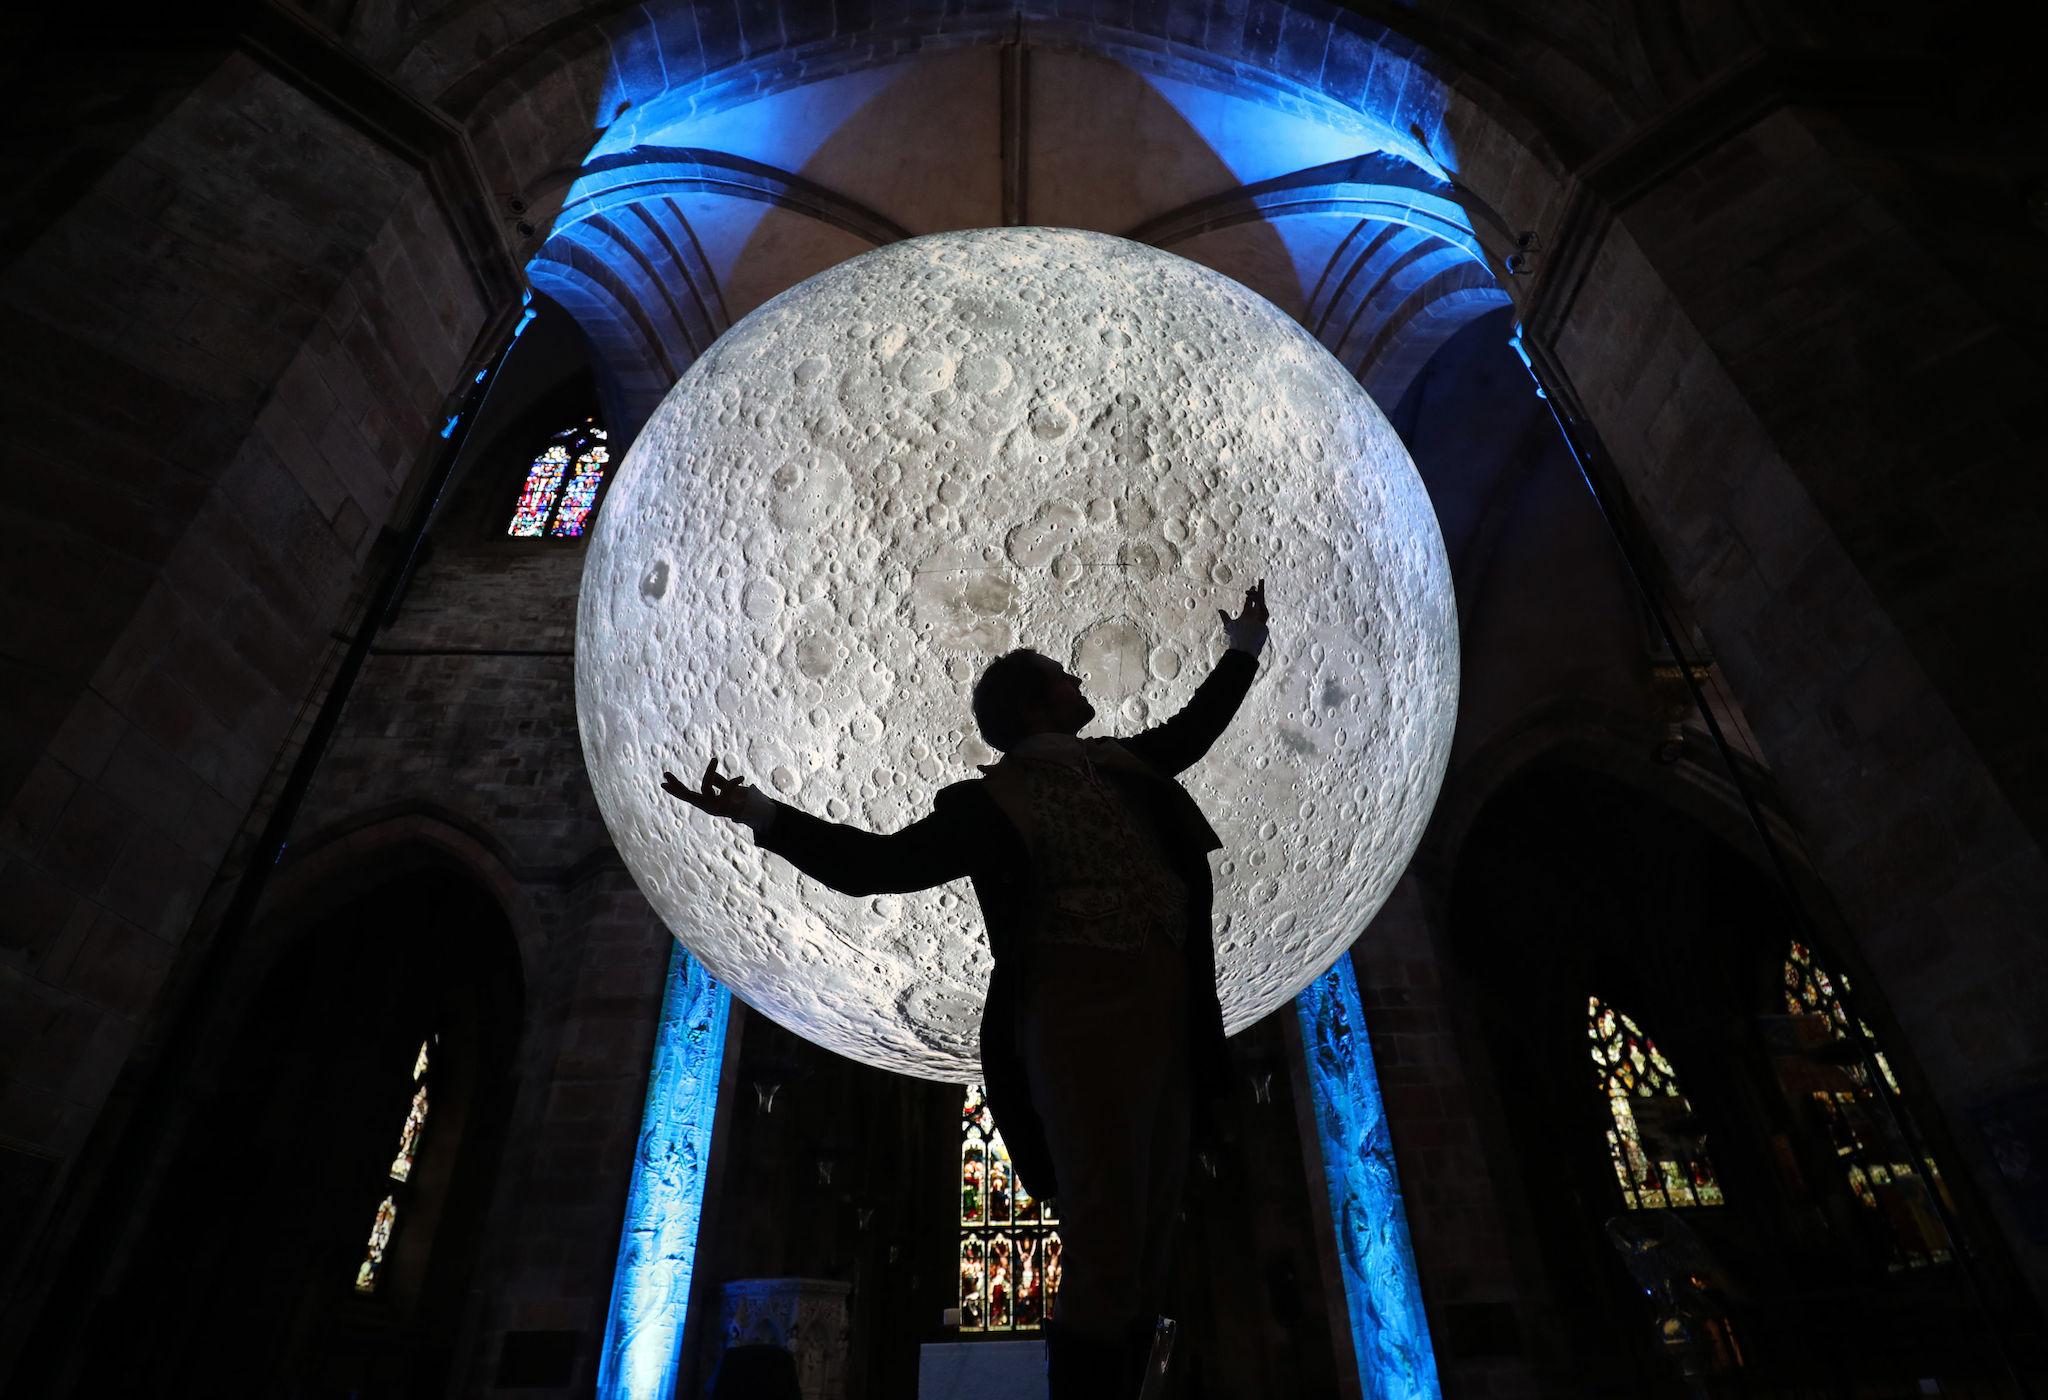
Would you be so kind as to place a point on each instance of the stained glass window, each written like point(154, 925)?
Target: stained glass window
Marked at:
point(1010, 1256)
point(380, 1240)
point(400, 1171)
point(409, 1135)
point(1659, 1154)
point(1843, 1100)
point(580, 455)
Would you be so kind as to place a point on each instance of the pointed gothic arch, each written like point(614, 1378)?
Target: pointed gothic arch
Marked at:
point(247, 1273)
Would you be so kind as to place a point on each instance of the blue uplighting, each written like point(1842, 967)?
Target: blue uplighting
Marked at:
point(643, 1332)
point(448, 428)
point(1389, 1333)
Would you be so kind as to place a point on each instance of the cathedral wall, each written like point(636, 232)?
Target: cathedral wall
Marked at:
point(236, 339)
point(467, 709)
point(1552, 642)
point(1935, 870)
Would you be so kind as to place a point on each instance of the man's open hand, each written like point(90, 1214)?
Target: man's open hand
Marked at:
point(1254, 607)
point(724, 794)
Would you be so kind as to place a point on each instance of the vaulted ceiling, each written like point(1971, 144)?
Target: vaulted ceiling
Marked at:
point(663, 167)
point(681, 221)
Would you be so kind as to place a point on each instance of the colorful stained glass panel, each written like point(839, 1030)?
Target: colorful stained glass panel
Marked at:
point(998, 1189)
point(1659, 1156)
point(547, 506)
point(973, 1188)
point(1876, 1164)
point(999, 1284)
point(409, 1135)
point(973, 1285)
point(537, 497)
point(1009, 1254)
point(380, 1241)
point(1030, 1298)
point(581, 492)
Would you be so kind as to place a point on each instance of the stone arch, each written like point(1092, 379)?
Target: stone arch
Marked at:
point(237, 1272)
point(625, 262)
point(633, 357)
point(591, 84)
point(1429, 274)
point(597, 260)
point(614, 61)
point(1575, 879)
point(322, 867)
point(1599, 739)
point(1636, 340)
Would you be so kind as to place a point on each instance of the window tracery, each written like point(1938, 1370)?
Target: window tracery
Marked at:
point(562, 483)
point(1010, 1252)
point(1659, 1156)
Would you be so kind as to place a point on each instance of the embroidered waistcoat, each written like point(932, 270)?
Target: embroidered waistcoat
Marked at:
point(1101, 865)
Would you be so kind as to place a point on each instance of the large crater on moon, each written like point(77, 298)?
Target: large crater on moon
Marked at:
point(972, 441)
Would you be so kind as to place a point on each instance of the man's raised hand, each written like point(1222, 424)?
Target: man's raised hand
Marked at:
point(723, 795)
point(1254, 606)
point(1247, 631)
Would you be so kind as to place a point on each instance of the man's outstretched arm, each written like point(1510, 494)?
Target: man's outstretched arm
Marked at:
point(1180, 742)
point(929, 852)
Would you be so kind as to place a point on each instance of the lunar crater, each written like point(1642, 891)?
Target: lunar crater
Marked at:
point(959, 444)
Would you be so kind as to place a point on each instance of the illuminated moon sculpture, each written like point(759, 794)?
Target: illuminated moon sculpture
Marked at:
point(973, 441)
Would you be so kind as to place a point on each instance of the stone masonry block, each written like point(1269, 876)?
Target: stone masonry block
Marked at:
point(1186, 23)
point(851, 17)
point(1304, 41)
point(167, 712)
point(38, 805)
point(86, 840)
point(719, 36)
point(1347, 65)
point(120, 967)
point(149, 780)
point(38, 907)
point(155, 885)
point(284, 434)
point(88, 735)
point(207, 669)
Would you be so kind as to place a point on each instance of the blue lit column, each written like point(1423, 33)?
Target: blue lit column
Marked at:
point(643, 1333)
point(1389, 1334)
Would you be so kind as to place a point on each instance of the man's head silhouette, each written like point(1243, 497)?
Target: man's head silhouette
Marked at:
point(1022, 693)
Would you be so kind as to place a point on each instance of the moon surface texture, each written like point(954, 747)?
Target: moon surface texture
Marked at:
point(964, 443)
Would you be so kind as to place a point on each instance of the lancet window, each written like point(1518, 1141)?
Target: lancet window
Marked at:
point(1659, 1154)
point(562, 483)
point(1849, 1113)
point(1010, 1253)
point(399, 1174)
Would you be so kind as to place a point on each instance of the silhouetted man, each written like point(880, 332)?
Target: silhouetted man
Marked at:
point(1102, 1038)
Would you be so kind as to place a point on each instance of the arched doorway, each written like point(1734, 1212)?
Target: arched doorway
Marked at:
point(1617, 947)
point(368, 1080)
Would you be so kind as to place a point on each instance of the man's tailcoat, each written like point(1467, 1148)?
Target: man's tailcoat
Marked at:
point(970, 833)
